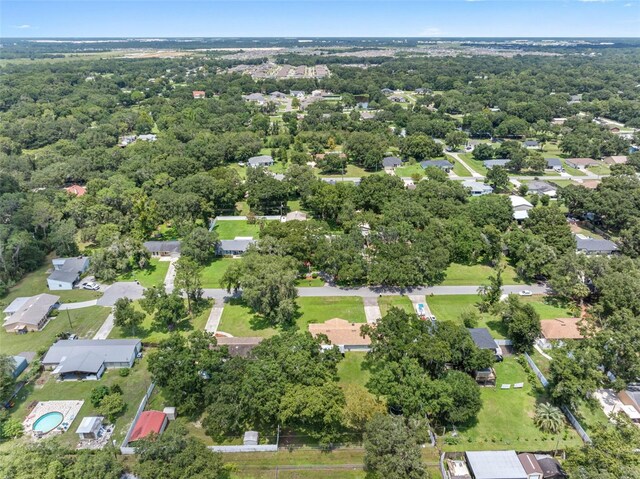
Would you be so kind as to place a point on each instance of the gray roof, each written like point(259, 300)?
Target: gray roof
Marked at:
point(531, 143)
point(235, 244)
point(89, 424)
point(495, 465)
point(84, 362)
point(260, 160)
point(492, 163)
point(436, 163)
point(162, 246)
point(391, 161)
point(16, 304)
point(110, 350)
point(70, 270)
point(595, 245)
point(540, 186)
point(477, 186)
point(549, 466)
point(482, 337)
point(254, 97)
point(553, 162)
point(33, 310)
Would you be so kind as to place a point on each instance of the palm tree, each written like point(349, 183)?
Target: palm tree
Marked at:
point(548, 418)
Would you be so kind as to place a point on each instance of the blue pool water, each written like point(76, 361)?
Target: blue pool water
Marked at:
point(48, 422)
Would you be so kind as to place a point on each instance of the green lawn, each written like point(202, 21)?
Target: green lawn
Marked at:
point(352, 171)
point(410, 169)
point(238, 319)
point(152, 275)
point(476, 165)
point(213, 272)
point(350, 369)
point(600, 170)
point(460, 170)
point(402, 302)
point(84, 322)
point(309, 282)
point(36, 283)
point(234, 228)
point(149, 334)
point(48, 389)
point(460, 274)
point(506, 418)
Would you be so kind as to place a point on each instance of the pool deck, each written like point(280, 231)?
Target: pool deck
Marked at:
point(68, 409)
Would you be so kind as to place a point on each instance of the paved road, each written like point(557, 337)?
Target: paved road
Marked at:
point(82, 304)
point(364, 292)
point(120, 290)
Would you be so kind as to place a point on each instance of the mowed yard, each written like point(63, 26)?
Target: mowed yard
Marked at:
point(231, 229)
point(506, 418)
point(84, 322)
point(478, 274)
point(388, 302)
point(152, 275)
point(238, 319)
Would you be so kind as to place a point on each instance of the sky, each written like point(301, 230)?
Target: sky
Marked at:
point(320, 18)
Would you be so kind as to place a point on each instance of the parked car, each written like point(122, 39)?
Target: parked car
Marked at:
point(91, 286)
point(525, 292)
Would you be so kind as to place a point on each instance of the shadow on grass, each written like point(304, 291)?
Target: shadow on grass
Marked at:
point(497, 325)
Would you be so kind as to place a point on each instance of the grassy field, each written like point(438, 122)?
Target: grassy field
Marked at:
point(152, 275)
point(460, 170)
point(477, 166)
point(402, 302)
point(238, 319)
point(506, 418)
point(410, 169)
point(148, 333)
point(48, 388)
point(84, 322)
point(460, 274)
point(234, 228)
point(36, 283)
point(213, 272)
point(350, 369)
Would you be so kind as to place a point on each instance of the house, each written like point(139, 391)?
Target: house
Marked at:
point(297, 94)
point(29, 314)
point(581, 163)
point(444, 165)
point(398, 99)
point(495, 465)
point(391, 162)
point(126, 140)
point(630, 398)
point(594, 246)
point(590, 184)
point(367, 115)
point(260, 161)
point(149, 422)
point(561, 328)
point(89, 427)
point(520, 207)
point(255, 98)
point(550, 467)
point(483, 340)
point(89, 358)
point(616, 160)
point(20, 365)
point(554, 164)
point(66, 272)
point(476, 188)
point(76, 190)
point(161, 249)
point(542, 188)
point(531, 466)
point(234, 247)
point(239, 346)
point(363, 105)
point(531, 144)
point(422, 91)
point(386, 91)
point(197, 94)
point(347, 336)
point(294, 216)
point(575, 99)
point(277, 95)
point(149, 137)
point(333, 181)
point(503, 162)
point(558, 121)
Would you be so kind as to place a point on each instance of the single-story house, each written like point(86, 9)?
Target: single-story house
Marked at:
point(422, 91)
point(558, 121)
point(66, 272)
point(29, 314)
point(581, 163)
point(542, 188)
point(127, 140)
point(21, 365)
point(197, 94)
point(294, 216)
point(531, 466)
point(76, 190)
point(442, 164)
point(495, 465)
point(163, 248)
point(148, 137)
point(554, 164)
point(594, 246)
point(149, 422)
point(258, 161)
point(520, 207)
point(616, 160)
point(630, 397)
point(503, 162)
point(234, 247)
point(89, 427)
point(258, 98)
point(367, 115)
point(483, 339)
point(88, 358)
point(397, 99)
point(386, 91)
point(333, 181)
point(347, 336)
point(531, 144)
point(239, 346)
point(590, 184)
point(277, 95)
point(391, 162)
point(476, 188)
point(297, 93)
point(575, 98)
point(363, 105)
point(550, 467)
point(561, 328)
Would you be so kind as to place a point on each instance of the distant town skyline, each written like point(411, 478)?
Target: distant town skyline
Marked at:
point(320, 18)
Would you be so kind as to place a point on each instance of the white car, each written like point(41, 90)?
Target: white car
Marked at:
point(525, 292)
point(91, 286)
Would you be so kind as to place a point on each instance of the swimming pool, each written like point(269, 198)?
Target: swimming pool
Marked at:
point(47, 422)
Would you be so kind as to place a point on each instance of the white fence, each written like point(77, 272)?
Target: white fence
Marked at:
point(260, 448)
point(124, 447)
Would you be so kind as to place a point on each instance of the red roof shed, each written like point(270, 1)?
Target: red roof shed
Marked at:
point(149, 422)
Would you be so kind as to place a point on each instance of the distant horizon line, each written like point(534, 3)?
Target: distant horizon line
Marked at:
point(442, 37)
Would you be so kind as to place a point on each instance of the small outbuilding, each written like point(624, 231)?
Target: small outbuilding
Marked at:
point(89, 427)
point(149, 422)
point(495, 465)
point(251, 438)
point(20, 365)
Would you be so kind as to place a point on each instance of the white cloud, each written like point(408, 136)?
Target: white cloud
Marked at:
point(22, 27)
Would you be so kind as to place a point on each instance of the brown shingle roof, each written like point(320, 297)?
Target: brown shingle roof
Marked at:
point(341, 332)
point(561, 328)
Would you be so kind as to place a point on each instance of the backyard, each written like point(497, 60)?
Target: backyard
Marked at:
point(231, 229)
point(350, 369)
point(212, 274)
point(402, 302)
point(152, 275)
point(84, 322)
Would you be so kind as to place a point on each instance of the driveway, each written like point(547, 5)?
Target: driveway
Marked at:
point(82, 304)
point(372, 309)
point(120, 290)
point(214, 317)
point(105, 329)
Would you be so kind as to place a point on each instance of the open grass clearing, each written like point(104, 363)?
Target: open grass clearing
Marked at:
point(231, 229)
point(212, 273)
point(478, 274)
point(152, 275)
point(388, 302)
point(84, 322)
point(350, 369)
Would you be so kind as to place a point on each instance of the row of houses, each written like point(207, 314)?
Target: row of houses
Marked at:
point(501, 465)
